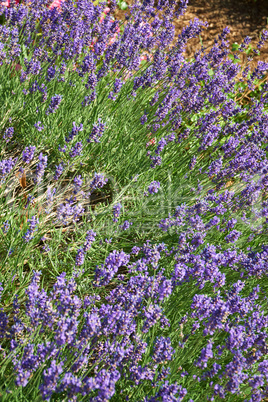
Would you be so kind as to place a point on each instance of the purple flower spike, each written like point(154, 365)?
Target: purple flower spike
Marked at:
point(74, 132)
point(76, 150)
point(90, 237)
point(33, 222)
point(98, 181)
point(28, 154)
point(233, 236)
point(97, 132)
point(116, 211)
point(107, 271)
point(153, 188)
point(8, 134)
point(54, 104)
point(78, 181)
point(51, 376)
point(80, 257)
point(5, 168)
point(163, 350)
point(58, 172)
point(40, 168)
point(38, 126)
point(6, 226)
point(125, 225)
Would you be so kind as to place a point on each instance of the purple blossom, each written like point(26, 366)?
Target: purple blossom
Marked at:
point(58, 171)
point(5, 167)
point(97, 132)
point(54, 104)
point(50, 197)
point(38, 126)
point(68, 210)
point(78, 181)
point(206, 354)
point(32, 222)
point(62, 149)
point(153, 188)
point(156, 161)
point(90, 237)
point(117, 87)
point(50, 379)
point(233, 236)
point(76, 150)
point(125, 225)
point(104, 382)
point(161, 145)
point(30, 200)
point(89, 99)
point(192, 163)
point(169, 392)
point(8, 134)
point(6, 227)
point(40, 168)
point(98, 182)
point(143, 119)
point(231, 223)
point(112, 263)
point(80, 257)
point(264, 36)
point(135, 250)
point(116, 211)
point(74, 132)
point(162, 350)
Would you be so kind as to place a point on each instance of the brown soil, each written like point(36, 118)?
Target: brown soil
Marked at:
point(243, 17)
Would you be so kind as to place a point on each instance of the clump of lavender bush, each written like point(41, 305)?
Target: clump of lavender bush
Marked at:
point(130, 270)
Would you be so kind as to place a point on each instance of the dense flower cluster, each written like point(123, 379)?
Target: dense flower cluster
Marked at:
point(124, 326)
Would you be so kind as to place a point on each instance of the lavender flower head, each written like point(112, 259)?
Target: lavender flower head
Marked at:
point(125, 225)
point(68, 210)
point(80, 256)
point(78, 181)
point(5, 168)
point(98, 182)
point(233, 236)
point(38, 126)
point(28, 154)
point(97, 132)
point(90, 237)
point(74, 132)
point(8, 134)
point(58, 172)
point(153, 188)
point(54, 104)
point(116, 211)
point(6, 226)
point(40, 168)
point(76, 150)
point(33, 222)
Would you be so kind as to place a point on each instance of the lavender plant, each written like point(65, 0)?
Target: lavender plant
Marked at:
point(130, 270)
